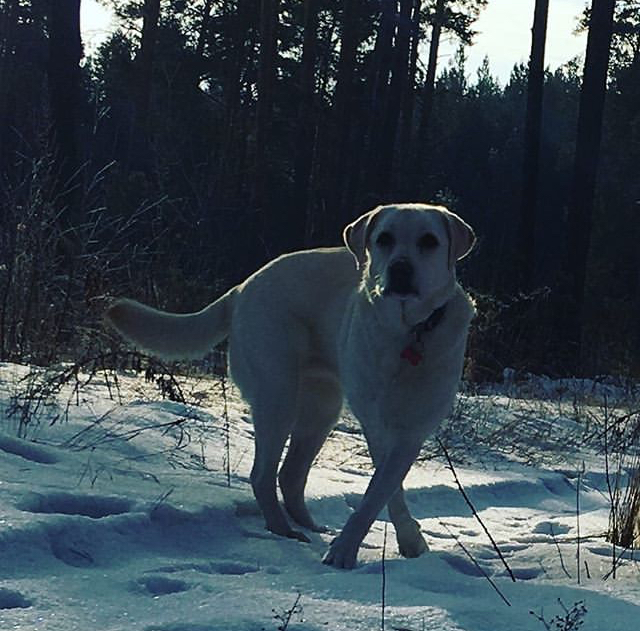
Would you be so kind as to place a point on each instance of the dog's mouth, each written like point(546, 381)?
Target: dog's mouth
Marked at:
point(402, 293)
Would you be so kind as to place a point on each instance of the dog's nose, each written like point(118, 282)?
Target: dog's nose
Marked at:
point(400, 278)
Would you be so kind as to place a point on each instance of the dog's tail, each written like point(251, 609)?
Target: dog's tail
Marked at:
point(172, 335)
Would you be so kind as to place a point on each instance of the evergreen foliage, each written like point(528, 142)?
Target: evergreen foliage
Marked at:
point(201, 162)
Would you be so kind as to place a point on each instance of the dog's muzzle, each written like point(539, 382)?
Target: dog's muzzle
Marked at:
point(400, 279)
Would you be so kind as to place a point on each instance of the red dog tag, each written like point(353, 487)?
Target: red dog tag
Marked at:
point(413, 356)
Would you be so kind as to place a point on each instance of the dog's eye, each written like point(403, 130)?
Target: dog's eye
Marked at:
point(384, 240)
point(428, 241)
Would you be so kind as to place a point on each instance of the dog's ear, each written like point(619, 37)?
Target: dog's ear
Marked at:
point(356, 235)
point(462, 238)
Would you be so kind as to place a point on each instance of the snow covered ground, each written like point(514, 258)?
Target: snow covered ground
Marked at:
point(121, 516)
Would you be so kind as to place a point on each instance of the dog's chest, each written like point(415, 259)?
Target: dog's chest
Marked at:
point(387, 386)
point(391, 394)
point(378, 381)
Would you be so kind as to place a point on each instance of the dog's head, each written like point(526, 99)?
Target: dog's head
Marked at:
point(407, 254)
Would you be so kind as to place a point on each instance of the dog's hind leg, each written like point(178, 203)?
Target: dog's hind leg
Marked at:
point(319, 405)
point(273, 418)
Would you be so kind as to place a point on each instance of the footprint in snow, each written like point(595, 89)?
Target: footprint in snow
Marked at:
point(606, 550)
point(551, 528)
point(467, 567)
point(181, 626)
point(438, 534)
point(461, 564)
point(161, 585)
point(234, 568)
point(75, 554)
point(558, 485)
point(10, 599)
point(508, 547)
point(93, 506)
point(525, 573)
point(469, 532)
point(27, 450)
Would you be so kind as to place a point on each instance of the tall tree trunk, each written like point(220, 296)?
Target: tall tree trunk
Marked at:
point(65, 52)
point(409, 99)
point(144, 59)
point(430, 79)
point(383, 55)
point(394, 100)
point(266, 84)
point(305, 138)
point(229, 176)
point(8, 24)
point(533, 122)
point(261, 198)
point(341, 162)
point(592, 98)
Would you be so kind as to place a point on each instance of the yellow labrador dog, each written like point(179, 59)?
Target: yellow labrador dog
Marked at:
point(381, 321)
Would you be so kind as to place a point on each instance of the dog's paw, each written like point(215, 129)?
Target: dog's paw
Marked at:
point(290, 533)
point(411, 543)
point(413, 549)
point(298, 536)
point(341, 554)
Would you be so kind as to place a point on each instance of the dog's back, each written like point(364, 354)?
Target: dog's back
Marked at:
point(307, 281)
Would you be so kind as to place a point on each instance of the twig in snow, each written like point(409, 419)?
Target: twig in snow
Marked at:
point(571, 621)
point(580, 474)
point(564, 569)
point(384, 576)
point(613, 495)
point(617, 561)
point(161, 500)
point(475, 512)
point(285, 617)
point(480, 568)
point(227, 425)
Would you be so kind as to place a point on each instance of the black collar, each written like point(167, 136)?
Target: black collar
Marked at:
point(414, 351)
point(431, 322)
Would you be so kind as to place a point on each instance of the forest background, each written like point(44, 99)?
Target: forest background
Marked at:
point(203, 138)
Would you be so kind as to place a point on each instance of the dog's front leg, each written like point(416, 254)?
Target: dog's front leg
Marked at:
point(385, 482)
